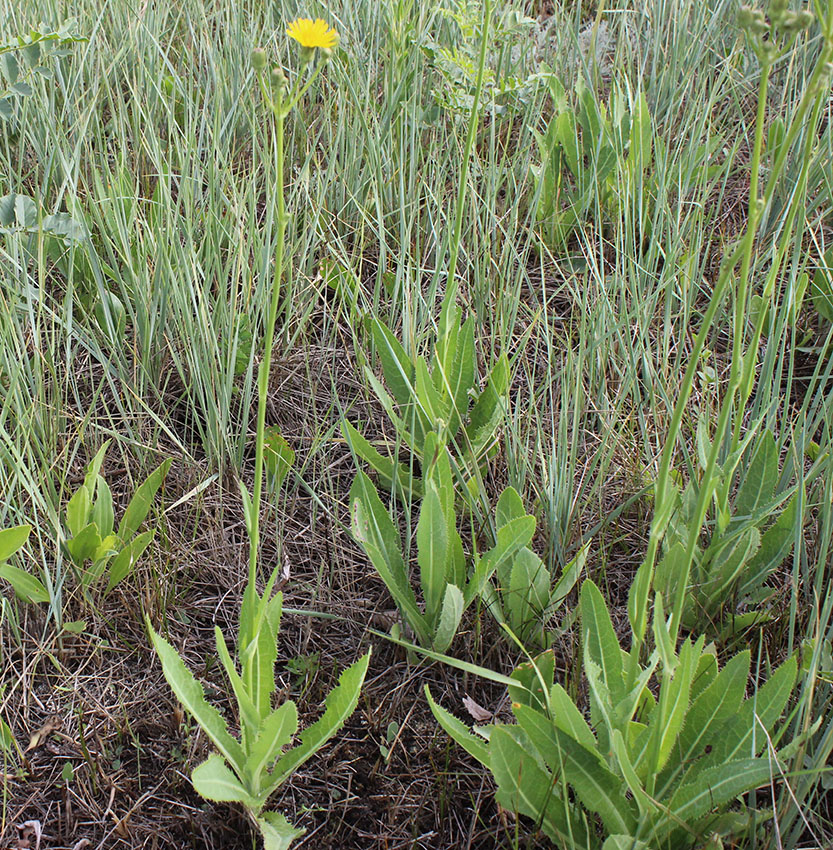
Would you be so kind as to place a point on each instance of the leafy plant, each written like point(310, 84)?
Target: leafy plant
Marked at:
point(441, 395)
point(25, 56)
point(582, 152)
point(447, 585)
point(730, 572)
point(666, 753)
point(525, 597)
point(26, 586)
point(248, 769)
point(594, 157)
point(93, 543)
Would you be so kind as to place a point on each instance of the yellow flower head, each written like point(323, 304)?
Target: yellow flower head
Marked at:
point(312, 34)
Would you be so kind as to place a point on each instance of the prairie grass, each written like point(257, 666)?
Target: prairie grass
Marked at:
point(146, 330)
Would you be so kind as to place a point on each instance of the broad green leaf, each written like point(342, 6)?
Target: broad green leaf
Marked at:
point(488, 411)
point(716, 704)
point(449, 620)
point(567, 717)
point(102, 510)
point(461, 377)
point(525, 787)
point(83, 545)
point(672, 705)
point(277, 832)
point(624, 842)
point(715, 788)
point(139, 505)
point(91, 478)
point(509, 506)
point(646, 805)
point(458, 730)
point(599, 789)
point(190, 693)
point(12, 539)
point(397, 367)
point(122, 565)
point(527, 593)
point(278, 456)
point(734, 738)
point(776, 545)
point(510, 539)
point(339, 705)
point(600, 639)
point(728, 566)
point(760, 477)
point(385, 468)
point(432, 553)
point(26, 586)
point(531, 681)
point(213, 780)
point(641, 136)
point(78, 511)
point(275, 733)
point(373, 529)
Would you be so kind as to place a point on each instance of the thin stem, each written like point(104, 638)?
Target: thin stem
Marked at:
point(265, 364)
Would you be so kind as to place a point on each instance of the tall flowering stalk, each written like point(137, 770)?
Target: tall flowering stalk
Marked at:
point(250, 768)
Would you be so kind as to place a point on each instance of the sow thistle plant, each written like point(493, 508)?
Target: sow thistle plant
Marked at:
point(670, 744)
point(249, 768)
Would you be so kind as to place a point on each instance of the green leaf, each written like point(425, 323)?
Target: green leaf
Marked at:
point(600, 639)
point(716, 704)
point(510, 539)
point(450, 615)
point(432, 553)
point(275, 733)
point(278, 456)
point(531, 681)
point(249, 716)
point(776, 545)
point(102, 510)
point(716, 787)
point(339, 705)
point(139, 505)
point(277, 832)
point(458, 730)
point(525, 787)
point(374, 531)
point(397, 367)
point(488, 411)
point(567, 717)
point(509, 506)
point(84, 545)
point(122, 565)
point(26, 586)
point(385, 468)
point(190, 693)
point(13, 539)
point(599, 789)
point(78, 511)
point(214, 781)
point(760, 477)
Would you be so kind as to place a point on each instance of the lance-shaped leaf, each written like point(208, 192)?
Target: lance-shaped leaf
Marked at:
point(213, 780)
point(339, 705)
point(190, 693)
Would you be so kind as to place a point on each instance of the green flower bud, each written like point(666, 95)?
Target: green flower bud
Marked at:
point(277, 77)
point(258, 59)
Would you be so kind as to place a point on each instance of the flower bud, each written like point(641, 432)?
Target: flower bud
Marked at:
point(277, 77)
point(258, 59)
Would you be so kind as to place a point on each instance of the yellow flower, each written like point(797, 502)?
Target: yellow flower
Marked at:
point(312, 34)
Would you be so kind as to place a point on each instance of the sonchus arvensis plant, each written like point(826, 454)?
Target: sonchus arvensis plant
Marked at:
point(249, 768)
